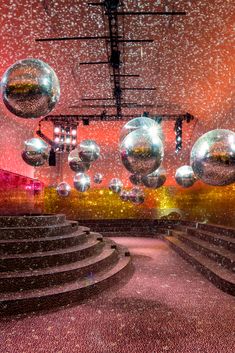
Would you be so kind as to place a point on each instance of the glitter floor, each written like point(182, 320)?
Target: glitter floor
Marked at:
point(166, 307)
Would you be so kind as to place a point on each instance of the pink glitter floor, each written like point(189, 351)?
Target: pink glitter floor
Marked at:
point(166, 307)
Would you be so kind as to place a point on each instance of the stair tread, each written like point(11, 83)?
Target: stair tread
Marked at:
point(69, 287)
point(90, 242)
point(59, 225)
point(215, 235)
point(61, 268)
point(215, 248)
point(204, 260)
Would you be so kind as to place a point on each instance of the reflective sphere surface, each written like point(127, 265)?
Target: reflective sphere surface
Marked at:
point(75, 162)
point(185, 177)
point(141, 152)
point(155, 180)
point(213, 157)
point(136, 196)
point(143, 123)
point(81, 182)
point(63, 189)
point(35, 152)
point(30, 88)
point(115, 185)
point(98, 178)
point(135, 179)
point(124, 195)
point(89, 151)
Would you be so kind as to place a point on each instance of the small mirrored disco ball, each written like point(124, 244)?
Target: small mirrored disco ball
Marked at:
point(75, 162)
point(136, 196)
point(141, 152)
point(89, 151)
point(143, 123)
point(30, 88)
point(124, 195)
point(63, 189)
point(213, 157)
point(82, 182)
point(135, 179)
point(36, 152)
point(115, 185)
point(98, 178)
point(185, 177)
point(155, 180)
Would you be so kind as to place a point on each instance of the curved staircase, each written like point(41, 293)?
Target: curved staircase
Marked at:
point(47, 261)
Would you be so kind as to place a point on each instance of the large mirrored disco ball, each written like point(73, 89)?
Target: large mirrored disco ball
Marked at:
point(135, 179)
point(89, 151)
point(63, 189)
point(98, 178)
point(36, 152)
point(141, 151)
point(75, 162)
point(185, 177)
point(124, 195)
point(143, 123)
point(81, 182)
point(136, 196)
point(155, 180)
point(30, 88)
point(213, 157)
point(115, 185)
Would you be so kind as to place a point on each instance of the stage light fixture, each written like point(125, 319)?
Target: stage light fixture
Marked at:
point(178, 132)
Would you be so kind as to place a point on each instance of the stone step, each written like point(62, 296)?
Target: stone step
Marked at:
point(217, 253)
point(16, 262)
point(218, 275)
point(213, 228)
point(20, 246)
point(217, 239)
point(47, 277)
point(37, 232)
point(73, 292)
point(31, 220)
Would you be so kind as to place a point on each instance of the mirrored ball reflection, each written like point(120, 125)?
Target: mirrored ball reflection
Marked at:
point(136, 196)
point(63, 189)
point(213, 157)
point(155, 180)
point(143, 123)
point(115, 185)
point(141, 152)
point(124, 195)
point(75, 162)
point(35, 152)
point(185, 177)
point(89, 151)
point(30, 88)
point(98, 178)
point(135, 179)
point(82, 182)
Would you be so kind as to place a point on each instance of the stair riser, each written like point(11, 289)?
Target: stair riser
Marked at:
point(224, 261)
point(219, 282)
point(67, 298)
point(22, 233)
point(47, 280)
point(218, 230)
point(212, 239)
point(17, 264)
point(31, 247)
point(36, 221)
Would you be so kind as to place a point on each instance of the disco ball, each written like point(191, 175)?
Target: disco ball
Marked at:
point(136, 196)
point(35, 152)
point(213, 157)
point(63, 189)
point(155, 180)
point(124, 195)
point(135, 179)
point(141, 123)
point(141, 152)
point(81, 182)
point(76, 164)
point(185, 177)
point(30, 88)
point(98, 178)
point(89, 151)
point(115, 185)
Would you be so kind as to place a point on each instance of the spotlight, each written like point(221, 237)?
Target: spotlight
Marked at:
point(52, 158)
point(74, 142)
point(68, 140)
point(85, 121)
point(74, 132)
point(57, 139)
point(57, 130)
